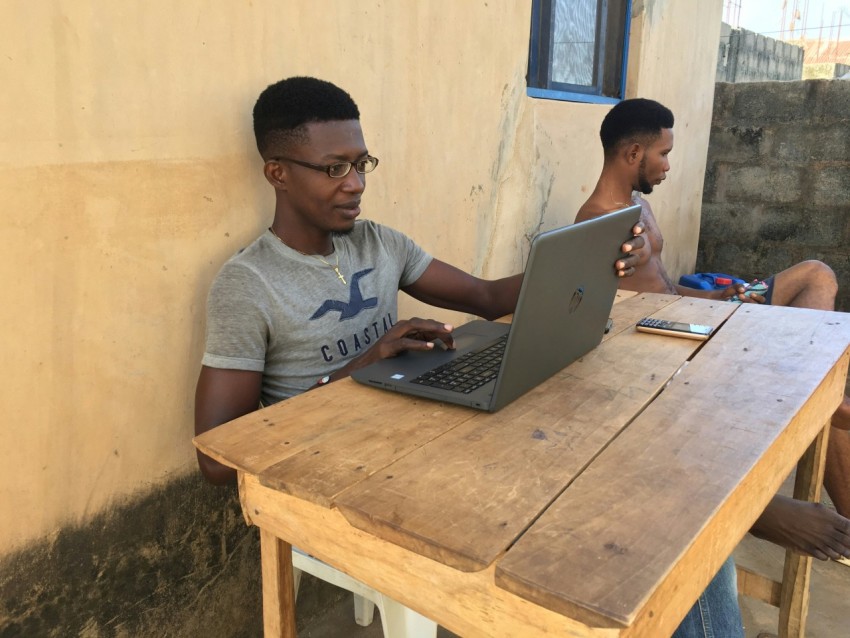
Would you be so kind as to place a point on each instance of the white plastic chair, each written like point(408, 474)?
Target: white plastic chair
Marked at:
point(397, 620)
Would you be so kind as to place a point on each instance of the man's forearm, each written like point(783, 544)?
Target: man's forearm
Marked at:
point(503, 297)
point(695, 292)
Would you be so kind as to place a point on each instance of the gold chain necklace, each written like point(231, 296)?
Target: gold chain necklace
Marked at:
point(321, 259)
point(616, 203)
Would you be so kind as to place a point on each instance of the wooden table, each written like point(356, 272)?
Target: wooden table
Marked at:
point(599, 504)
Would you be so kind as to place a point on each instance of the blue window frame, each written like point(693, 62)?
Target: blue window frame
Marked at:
point(579, 50)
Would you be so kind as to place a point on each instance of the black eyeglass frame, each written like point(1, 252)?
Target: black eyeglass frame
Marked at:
point(359, 165)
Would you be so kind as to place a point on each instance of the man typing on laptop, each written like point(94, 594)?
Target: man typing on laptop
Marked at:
point(314, 297)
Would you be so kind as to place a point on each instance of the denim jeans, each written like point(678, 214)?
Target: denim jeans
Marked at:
point(716, 614)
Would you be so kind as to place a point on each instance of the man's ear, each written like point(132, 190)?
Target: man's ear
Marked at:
point(276, 174)
point(633, 153)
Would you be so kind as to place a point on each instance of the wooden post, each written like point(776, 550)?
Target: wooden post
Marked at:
point(794, 603)
point(278, 588)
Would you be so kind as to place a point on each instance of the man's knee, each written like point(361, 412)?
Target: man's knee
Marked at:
point(812, 274)
point(821, 275)
point(809, 284)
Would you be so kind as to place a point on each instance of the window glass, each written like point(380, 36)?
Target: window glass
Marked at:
point(578, 49)
point(574, 42)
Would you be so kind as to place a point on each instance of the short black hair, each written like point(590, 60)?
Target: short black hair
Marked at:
point(285, 108)
point(636, 120)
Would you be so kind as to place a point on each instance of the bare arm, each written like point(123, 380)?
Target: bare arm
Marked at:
point(696, 292)
point(445, 286)
point(221, 396)
point(725, 294)
point(448, 287)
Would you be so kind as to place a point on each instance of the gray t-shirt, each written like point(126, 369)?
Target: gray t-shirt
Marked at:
point(274, 310)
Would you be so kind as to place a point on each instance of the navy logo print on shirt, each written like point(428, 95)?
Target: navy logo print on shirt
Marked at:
point(354, 305)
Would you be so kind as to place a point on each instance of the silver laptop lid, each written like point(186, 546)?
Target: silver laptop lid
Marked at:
point(565, 300)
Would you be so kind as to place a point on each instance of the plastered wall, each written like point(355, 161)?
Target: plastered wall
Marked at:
point(128, 175)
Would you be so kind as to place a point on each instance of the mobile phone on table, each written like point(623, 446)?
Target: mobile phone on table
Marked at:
point(675, 328)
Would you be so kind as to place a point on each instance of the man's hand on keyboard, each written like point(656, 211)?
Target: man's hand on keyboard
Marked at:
point(408, 334)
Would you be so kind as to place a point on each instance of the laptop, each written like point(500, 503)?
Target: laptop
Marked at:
point(564, 302)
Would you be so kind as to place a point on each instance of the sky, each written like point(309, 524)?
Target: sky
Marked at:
point(765, 16)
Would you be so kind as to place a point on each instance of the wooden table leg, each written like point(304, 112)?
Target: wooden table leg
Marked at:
point(794, 603)
point(278, 589)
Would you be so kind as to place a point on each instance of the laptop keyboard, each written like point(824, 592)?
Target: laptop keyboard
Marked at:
point(468, 372)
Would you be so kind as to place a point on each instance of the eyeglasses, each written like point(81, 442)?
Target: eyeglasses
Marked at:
point(340, 169)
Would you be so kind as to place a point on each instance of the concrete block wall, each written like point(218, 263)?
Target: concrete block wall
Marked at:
point(745, 56)
point(777, 184)
point(723, 52)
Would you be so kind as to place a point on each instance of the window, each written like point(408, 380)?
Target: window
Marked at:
point(578, 49)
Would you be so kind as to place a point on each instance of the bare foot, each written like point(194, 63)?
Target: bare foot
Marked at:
point(841, 417)
point(808, 528)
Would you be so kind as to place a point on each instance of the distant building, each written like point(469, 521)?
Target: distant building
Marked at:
point(824, 58)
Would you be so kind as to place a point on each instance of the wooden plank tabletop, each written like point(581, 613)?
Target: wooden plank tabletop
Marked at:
point(684, 462)
point(259, 440)
point(464, 498)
